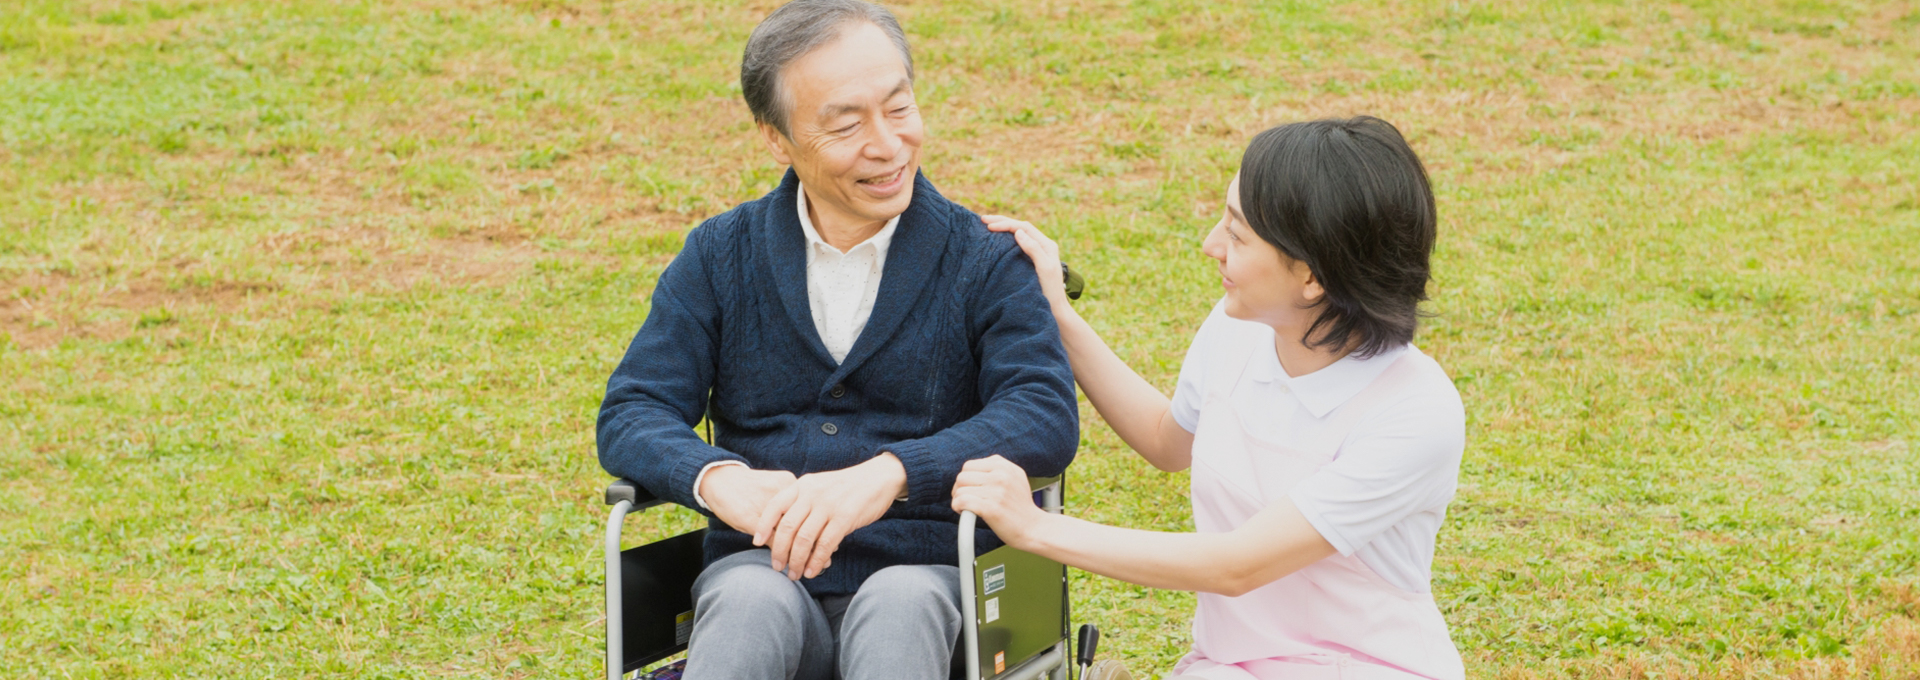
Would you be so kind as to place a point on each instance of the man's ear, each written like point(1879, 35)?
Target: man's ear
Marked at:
point(776, 143)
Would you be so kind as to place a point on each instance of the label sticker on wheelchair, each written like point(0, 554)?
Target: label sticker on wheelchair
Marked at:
point(682, 628)
point(1000, 662)
point(995, 578)
point(993, 610)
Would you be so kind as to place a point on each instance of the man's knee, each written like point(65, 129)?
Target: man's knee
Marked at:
point(902, 624)
point(747, 581)
point(928, 588)
point(750, 621)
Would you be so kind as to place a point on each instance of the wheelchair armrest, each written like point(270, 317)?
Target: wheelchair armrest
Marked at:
point(626, 490)
point(631, 492)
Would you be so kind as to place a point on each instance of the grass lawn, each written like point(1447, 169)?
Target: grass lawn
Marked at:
point(306, 307)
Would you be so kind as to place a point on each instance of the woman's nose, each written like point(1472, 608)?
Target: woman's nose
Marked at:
point(1215, 246)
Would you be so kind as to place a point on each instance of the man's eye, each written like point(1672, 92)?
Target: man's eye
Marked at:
point(901, 111)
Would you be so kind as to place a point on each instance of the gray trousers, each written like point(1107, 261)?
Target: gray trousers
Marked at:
point(752, 623)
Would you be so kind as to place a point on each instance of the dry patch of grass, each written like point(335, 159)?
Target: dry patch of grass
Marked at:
point(45, 309)
point(48, 307)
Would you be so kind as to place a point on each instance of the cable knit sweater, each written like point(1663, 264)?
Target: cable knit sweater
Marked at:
point(961, 359)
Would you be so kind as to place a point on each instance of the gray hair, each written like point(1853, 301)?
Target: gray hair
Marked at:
point(791, 32)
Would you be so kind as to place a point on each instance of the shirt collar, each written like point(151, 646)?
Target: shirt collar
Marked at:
point(880, 239)
point(1324, 390)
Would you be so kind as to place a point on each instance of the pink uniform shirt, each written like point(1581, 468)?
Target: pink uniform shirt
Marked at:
point(1369, 450)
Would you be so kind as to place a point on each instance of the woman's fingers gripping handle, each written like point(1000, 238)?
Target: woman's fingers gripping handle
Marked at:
point(990, 487)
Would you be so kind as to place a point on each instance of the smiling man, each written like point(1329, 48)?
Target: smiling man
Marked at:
point(855, 338)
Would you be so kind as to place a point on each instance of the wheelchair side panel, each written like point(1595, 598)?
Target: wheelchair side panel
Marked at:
point(656, 598)
point(1019, 607)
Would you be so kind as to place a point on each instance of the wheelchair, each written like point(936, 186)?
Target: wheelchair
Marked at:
point(650, 600)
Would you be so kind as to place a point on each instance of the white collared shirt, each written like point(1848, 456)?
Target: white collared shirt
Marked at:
point(841, 288)
point(1386, 491)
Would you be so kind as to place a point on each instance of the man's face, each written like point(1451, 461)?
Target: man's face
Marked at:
point(856, 130)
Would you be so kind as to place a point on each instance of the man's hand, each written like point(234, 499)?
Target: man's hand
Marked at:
point(737, 493)
point(803, 524)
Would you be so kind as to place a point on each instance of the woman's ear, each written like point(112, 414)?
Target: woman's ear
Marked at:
point(1310, 287)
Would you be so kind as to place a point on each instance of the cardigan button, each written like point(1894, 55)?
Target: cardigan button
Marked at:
point(838, 391)
point(830, 428)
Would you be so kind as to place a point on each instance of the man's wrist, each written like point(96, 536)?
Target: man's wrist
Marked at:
point(892, 473)
point(700, 480)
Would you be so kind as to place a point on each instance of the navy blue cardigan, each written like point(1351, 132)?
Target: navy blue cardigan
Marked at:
point(961, 359)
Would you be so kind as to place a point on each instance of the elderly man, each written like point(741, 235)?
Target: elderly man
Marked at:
point(855, 338)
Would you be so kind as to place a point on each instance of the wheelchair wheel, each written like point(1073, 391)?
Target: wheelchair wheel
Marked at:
point(1106, 669)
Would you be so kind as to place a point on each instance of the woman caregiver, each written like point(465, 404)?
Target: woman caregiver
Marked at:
point(1324, 446)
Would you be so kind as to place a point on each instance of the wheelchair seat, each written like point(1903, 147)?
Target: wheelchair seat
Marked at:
point(1017, 629)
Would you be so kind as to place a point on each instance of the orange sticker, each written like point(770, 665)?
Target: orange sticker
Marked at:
point(1000, 662)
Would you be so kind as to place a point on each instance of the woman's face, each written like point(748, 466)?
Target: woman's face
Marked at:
point(1262, 283)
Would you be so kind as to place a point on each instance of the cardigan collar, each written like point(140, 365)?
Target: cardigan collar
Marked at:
point(919, 241)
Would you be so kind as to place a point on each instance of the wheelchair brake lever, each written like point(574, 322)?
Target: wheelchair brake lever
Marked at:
point(1088, 644)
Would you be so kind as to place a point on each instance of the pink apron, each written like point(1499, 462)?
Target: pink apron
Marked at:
point(1336, 618)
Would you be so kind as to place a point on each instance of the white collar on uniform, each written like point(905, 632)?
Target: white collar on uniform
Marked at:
point(1324, 390)
point(880, 240)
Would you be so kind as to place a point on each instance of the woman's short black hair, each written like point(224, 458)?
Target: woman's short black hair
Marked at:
point(1350, 199)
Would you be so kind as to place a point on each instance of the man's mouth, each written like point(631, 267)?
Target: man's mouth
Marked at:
point(887, 178)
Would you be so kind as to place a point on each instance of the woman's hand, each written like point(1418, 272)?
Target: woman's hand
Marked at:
point(997, 490)
point(1042, 250)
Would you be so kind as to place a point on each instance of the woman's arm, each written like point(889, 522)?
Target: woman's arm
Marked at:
point(1272, 544)
point(1140, 414)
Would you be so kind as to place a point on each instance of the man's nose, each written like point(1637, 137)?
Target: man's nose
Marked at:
point(886, 142)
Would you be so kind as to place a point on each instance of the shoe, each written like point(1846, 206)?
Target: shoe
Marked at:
point(671, 671)
point(1107, 669)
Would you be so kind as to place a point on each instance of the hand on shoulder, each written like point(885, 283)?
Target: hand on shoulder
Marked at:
point(1044, 252)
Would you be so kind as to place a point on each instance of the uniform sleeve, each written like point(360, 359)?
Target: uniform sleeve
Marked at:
point(1402, 459)
point(1192, 390)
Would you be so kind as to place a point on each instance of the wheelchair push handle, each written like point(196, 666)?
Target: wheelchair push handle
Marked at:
point(1076, 284)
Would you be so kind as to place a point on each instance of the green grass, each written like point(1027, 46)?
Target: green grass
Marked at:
point(305, 308)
